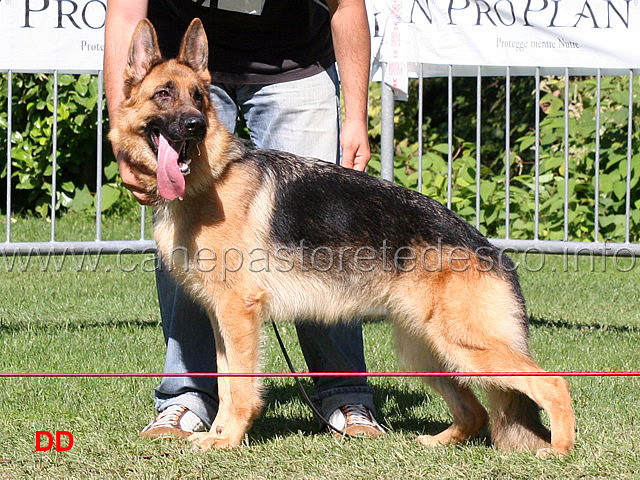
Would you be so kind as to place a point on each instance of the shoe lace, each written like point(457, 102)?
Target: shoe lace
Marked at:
point(357, 414)
point(170, 416)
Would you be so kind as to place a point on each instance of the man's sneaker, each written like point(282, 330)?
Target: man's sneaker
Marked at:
point(175, 421)
point(355, 420)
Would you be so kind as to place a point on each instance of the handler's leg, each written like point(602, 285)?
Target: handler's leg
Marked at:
point(190, 349)
point(303, 117)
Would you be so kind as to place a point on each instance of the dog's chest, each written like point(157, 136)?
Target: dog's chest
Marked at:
point(170, 242)
point(194, 241)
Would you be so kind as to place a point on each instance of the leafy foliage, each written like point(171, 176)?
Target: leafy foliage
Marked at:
point(32, 152)
point(581, 156)
point(32, 145)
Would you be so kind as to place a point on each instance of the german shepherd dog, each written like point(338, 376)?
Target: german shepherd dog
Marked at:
point(253, 234)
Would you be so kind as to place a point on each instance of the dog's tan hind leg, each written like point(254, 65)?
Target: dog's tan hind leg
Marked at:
point(469, 416)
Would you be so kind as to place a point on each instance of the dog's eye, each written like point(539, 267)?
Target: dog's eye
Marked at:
point(161, 94)
point(197, 95)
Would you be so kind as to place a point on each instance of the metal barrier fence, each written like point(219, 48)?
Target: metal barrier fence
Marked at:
point(627, 247)
point(53, 246)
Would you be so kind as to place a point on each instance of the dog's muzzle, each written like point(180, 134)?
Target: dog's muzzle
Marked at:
point(172, 148)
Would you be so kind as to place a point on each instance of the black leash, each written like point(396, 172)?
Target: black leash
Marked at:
point(303, 392)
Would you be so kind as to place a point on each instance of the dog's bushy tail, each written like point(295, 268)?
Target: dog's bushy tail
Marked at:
point(515, 422)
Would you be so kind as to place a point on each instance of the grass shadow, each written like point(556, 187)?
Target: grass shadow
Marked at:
point(539, 322)
point(270, 425)
point(407, 409)
point(77, 325)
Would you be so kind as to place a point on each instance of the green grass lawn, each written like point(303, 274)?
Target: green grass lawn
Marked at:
point(584, 317)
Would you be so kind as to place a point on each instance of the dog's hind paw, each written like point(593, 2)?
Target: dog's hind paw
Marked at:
point(431, 441)
point(451, 436)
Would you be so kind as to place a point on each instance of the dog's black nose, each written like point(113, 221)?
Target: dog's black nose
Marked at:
point(194, 125)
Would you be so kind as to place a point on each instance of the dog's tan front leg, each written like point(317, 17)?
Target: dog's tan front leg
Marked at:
point(237, 330)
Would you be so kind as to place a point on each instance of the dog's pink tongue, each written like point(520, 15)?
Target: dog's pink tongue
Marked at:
point(171, 183)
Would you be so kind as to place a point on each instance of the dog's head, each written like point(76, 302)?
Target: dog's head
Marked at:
point(166, 111)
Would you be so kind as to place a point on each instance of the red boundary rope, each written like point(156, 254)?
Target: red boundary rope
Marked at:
point(328, 374)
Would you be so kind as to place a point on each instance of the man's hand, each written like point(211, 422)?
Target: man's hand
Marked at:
point(131, 178)
point(352, 47)
point(122, 18)
point(354, 140)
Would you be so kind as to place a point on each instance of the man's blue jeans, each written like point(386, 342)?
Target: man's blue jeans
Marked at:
point(300, 117)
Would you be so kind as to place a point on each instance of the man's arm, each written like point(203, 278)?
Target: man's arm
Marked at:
point(122, 18)
point(352, 45)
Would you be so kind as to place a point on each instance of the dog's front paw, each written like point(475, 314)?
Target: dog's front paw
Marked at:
point(550, 452)
point(207, 440)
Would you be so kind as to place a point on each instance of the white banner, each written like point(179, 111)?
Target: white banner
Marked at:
point(524, 34)
point(67, 35)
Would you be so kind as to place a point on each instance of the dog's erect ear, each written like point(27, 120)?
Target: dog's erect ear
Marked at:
point(194, 51)
point(144, 54)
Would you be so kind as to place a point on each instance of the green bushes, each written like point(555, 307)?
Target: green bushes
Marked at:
point(31, 151)
point(582, 148)
point(32, 145)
